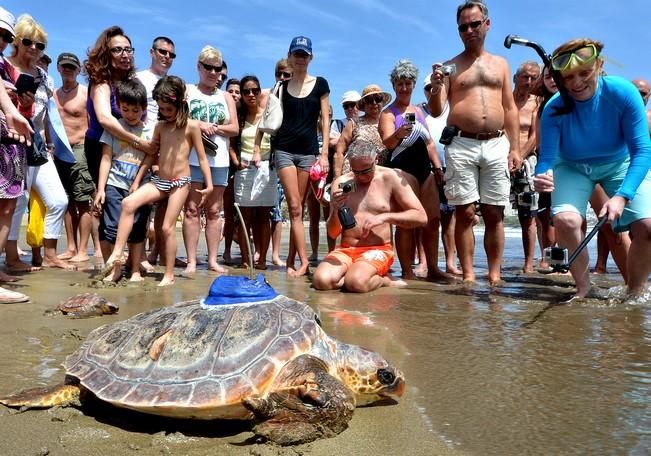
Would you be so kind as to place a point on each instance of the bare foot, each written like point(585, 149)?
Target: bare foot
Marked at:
point(20, 266)
point(166, 281)
point(98, 253)
point(276, 262)
point(496, 283)
point(216, 267)
point(66, 255)
point(421, 270)
point(136, 277)
point(313, 258)
point(4, 277)
point(190, 269)
point(21, 252)
point(262, 266)
point(527, 269)
point(115, 274)
point(409, 275)
point(453, 270)
point(146, 267)
point(295, 273)
point(37, 260)
point(79, 258)
point(600, 270)
point(439, 276)
point(389, 281)
point(110, 267)
point(57, 263)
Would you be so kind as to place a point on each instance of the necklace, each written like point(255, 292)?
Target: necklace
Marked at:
point(69, 90)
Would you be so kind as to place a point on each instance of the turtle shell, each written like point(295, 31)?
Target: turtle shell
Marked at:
point(193, 361)
point(86, 305)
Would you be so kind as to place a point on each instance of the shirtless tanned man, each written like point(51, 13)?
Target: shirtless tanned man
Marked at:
point(70, 99)
point(479, 156)
point(377, 198)
point(525, 77)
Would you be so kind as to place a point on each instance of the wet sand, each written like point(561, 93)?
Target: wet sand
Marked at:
point(34, 345)
point(489, 371)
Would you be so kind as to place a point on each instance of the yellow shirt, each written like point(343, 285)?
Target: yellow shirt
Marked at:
point(247, 141)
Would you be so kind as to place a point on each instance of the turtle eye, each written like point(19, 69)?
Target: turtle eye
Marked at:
point(385, 376)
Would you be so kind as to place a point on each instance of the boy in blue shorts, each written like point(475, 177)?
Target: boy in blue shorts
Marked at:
point(121, 171)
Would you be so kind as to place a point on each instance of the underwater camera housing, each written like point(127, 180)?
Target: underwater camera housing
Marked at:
point(555, 256)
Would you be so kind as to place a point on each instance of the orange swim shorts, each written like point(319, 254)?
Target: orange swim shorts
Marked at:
point(379, 256)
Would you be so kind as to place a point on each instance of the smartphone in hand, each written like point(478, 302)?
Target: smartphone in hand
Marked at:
point(26, 83)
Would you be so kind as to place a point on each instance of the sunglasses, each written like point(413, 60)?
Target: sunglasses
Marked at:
point(362, 172)
point(7, 37)
point(211, 68)
point(166, 53)
point(374, 99)
point(118, 50)
point(255, 91)
point(29, 43)
point(349, 105)
point(579, 55)
point(283, 74)
point(644, 94)
point(470, 25)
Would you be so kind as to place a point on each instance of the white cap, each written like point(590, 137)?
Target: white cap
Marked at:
point(352, 96)
point(7, 20)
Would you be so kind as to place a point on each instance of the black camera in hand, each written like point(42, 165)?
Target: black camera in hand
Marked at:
point(346, 217)
point(522, 195)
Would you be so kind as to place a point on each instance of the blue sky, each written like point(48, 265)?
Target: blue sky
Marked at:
point(355, 43)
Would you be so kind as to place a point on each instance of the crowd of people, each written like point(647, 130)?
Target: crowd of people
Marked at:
point(131, 152)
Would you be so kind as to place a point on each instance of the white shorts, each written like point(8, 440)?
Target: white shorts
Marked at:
point(477, 171)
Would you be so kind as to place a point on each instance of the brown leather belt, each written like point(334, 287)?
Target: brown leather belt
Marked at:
point(483, 136)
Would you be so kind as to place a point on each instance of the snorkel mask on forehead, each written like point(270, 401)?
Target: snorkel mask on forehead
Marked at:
point(578, 56)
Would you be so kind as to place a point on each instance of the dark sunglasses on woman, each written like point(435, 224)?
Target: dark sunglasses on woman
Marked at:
point(29, 43)
point(255, 91)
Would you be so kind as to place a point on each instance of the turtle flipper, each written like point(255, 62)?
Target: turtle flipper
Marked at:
point(46, 397)
point(309, 405)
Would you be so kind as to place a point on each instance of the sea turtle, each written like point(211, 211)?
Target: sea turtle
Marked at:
point(267, 361)
point(87, 305)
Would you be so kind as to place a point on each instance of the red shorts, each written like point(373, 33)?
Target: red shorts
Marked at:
point(379, 256)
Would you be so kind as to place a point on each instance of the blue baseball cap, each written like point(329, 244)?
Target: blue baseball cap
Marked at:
point(301, 43)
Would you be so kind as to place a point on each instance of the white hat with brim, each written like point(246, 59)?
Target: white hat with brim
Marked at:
point(373, 89)
point(428, 80)
point(7, 21)
point(351, 96)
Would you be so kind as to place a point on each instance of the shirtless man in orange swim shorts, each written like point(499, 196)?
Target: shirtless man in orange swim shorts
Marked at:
point(374, 198)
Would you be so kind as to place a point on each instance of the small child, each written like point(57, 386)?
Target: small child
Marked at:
point(119, 176)
point(176, 135)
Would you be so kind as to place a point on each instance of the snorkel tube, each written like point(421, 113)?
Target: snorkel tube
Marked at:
point(547, 61)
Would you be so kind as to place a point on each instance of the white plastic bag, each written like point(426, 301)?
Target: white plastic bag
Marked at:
point(260, 180)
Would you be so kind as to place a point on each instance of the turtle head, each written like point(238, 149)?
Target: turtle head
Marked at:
point(109, 308)
point(369, 376)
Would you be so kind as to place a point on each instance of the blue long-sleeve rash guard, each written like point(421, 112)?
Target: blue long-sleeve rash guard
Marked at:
point(606, 128)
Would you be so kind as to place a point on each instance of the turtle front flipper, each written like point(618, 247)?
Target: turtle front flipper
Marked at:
point(44, 397)
point(306, 404)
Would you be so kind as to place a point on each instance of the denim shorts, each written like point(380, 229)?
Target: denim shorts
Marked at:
point(108, 224)
point(219, 176)
point(574, 183)
point(284, 159)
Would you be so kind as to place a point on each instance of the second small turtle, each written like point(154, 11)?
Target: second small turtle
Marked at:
point(87, 305)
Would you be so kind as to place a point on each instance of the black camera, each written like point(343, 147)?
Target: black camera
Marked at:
point(528, 200)
point(555, 256)
point(449, 70)
point(410, 117)
point(347, 187)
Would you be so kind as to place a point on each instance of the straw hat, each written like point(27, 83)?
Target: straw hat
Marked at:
point(372, 89)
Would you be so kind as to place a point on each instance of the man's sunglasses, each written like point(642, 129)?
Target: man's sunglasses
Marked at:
point(255, 91)
point(349, 105)
point(211, 68)
point(361, 172)
point(29, 43)
point(580, 55)
point(283, 74)
point(644, 94)
point(470, 25)
point(166, 53)
point(6, 36)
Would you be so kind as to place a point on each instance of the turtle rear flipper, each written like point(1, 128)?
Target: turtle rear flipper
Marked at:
point(43, 397)
point(311, 405)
